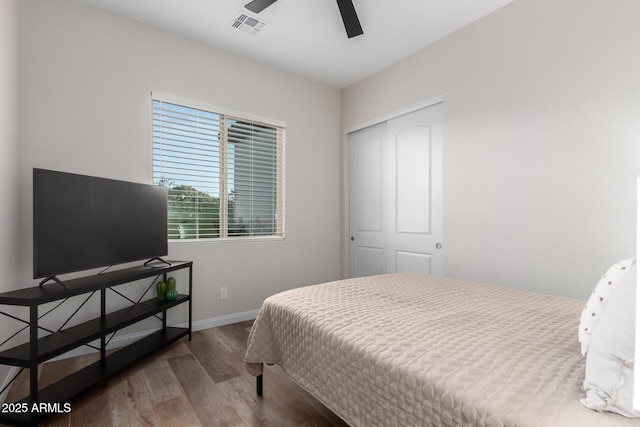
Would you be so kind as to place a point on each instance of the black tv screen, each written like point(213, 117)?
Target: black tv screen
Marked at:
point(82, 222)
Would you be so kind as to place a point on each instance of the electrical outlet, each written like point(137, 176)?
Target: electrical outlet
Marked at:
point(224, 293)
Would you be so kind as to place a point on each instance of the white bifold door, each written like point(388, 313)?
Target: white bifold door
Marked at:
point(395, 195)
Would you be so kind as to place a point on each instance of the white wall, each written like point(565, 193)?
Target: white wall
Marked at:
point(8, 140)
point(84, 91)
point(541, 121)
point(8, 144)
point(540, 127)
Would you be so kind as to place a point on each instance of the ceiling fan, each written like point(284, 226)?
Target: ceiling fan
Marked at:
point(347, 10)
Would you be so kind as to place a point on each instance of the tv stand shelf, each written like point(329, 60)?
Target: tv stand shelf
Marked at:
point(39, 350)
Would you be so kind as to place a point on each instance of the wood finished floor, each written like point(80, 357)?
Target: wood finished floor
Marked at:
point(202, 382)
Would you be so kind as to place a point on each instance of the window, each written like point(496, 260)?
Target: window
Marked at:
point(224, 173)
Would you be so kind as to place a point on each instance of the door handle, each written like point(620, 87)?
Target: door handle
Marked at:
point(353, 238)
point(438, 245)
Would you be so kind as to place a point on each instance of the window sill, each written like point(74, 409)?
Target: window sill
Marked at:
point(228, 240)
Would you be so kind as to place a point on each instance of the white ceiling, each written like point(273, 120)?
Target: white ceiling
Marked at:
point(307, 37)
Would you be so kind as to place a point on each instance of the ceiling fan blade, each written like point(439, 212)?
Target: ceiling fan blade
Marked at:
point(257, 6)
point(350, 18)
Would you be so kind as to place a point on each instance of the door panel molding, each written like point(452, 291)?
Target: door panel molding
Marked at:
point(413, 207)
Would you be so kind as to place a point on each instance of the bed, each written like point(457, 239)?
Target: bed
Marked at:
point(413, 350)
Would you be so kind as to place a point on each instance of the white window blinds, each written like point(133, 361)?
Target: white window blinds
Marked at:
point(224, 173)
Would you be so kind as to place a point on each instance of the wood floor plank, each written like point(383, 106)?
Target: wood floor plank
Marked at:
point(160, 381)
point(196, 383)
point(212, 358)
point(20, 387)
point(176, 412)
point(211, 407)
point(229, 338)
point(60, 420)
point(318, 407)
point(250, 408)
point(289, 397)
point(130, 403)
point(51, 373)
point(92, 409)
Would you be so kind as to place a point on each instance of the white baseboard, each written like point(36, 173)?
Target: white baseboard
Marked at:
point(124, 340)
point(214, 322)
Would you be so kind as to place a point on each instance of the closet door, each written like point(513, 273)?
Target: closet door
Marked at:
point(367, 194)
point(396, 195)
point(414, 180)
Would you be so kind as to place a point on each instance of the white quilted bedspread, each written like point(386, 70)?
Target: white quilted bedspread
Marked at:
point(414, 350)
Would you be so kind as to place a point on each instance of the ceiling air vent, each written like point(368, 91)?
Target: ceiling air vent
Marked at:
point(247, 24)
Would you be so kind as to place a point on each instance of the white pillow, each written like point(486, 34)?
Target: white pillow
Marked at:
point(599, 298)
point(609, 368)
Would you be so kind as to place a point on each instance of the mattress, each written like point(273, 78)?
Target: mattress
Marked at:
point(418, 350)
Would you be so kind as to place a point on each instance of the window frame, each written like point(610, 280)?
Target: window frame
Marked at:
point(223, 214)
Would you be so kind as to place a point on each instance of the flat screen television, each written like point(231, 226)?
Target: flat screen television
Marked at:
point(82, 222)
